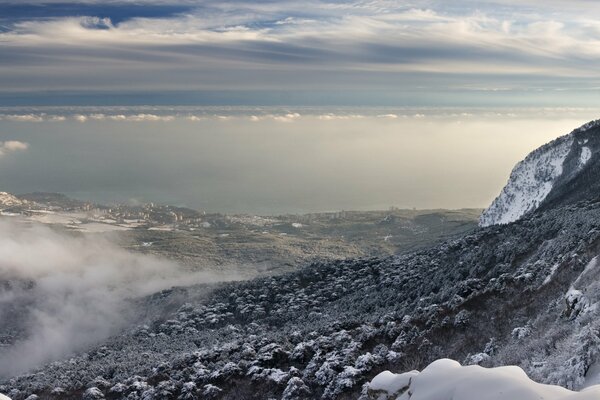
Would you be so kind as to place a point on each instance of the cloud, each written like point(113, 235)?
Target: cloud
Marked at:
point(237, 114)
point(23, 117)
point(339, 116)
point(132, 118)
point(68, 292)
point(376, 45)
point(12, 146)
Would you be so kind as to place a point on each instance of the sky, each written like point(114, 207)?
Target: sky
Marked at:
point(282, 106)
point(314, 52)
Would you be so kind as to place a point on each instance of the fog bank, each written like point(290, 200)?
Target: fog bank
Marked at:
point(65, 293)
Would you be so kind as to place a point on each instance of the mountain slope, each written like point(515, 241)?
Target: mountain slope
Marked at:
point(521, 294)
point(559, 172)
point(8, 200)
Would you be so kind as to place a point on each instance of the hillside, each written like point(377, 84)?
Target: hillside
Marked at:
point(561, 172)
point(520, 294)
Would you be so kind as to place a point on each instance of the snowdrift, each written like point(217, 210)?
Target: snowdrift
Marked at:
point(447, 380)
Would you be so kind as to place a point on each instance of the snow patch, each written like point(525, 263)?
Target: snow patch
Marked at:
point(550, 274)
point(9, 200)
point(584, 157)
point(521, 332)
point(392, 383)
point(591, 266)
point(530, 182)
point(576, 303)
point(447, 379)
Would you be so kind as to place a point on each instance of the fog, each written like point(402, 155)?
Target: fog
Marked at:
point(69, 292)
point(276, 161)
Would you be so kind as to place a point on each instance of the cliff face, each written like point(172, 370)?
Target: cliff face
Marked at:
point(558, 173)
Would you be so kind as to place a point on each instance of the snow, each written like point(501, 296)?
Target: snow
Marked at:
point(551, 274)
point(584, 157)
point(392, 383)
point(446, 379)
point(3, 397)
point(591, 267)
point(521, 332)
point(592, 376)
point(51, 217)
point(477, 359)
point(99, 227)
point(9, 200)
point(164, 228)
point(77, 221)
point(530, 182)
point(577, 303)
point(573, 294)
point(276, 375)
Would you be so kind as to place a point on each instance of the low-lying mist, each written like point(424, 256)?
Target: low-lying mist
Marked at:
point(295, 161)
point(61, 293)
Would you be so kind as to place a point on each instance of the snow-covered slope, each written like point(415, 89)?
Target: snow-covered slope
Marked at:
point(527, 294)
point(550, 169)
point(445, 379)
point(9, 200)
point(530, 182)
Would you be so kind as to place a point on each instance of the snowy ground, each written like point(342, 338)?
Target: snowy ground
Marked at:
point(77, 221)
point(445, 379)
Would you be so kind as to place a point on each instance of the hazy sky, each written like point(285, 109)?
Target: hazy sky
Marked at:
point(274, 160)
point(314, 52)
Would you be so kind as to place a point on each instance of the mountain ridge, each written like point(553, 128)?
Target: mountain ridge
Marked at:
point(555, 173)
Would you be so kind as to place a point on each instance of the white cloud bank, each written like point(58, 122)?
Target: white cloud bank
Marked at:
point(12, 146)
point(68, 292)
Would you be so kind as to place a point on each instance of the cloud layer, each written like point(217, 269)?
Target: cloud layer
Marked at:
point(383, 46)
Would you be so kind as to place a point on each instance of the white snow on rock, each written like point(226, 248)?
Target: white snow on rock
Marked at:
point(530, 182)
point(390, 383)
point(584, 157)
point(3, 397)
point(576, 303)
point(447, 380)
point(9, 200)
